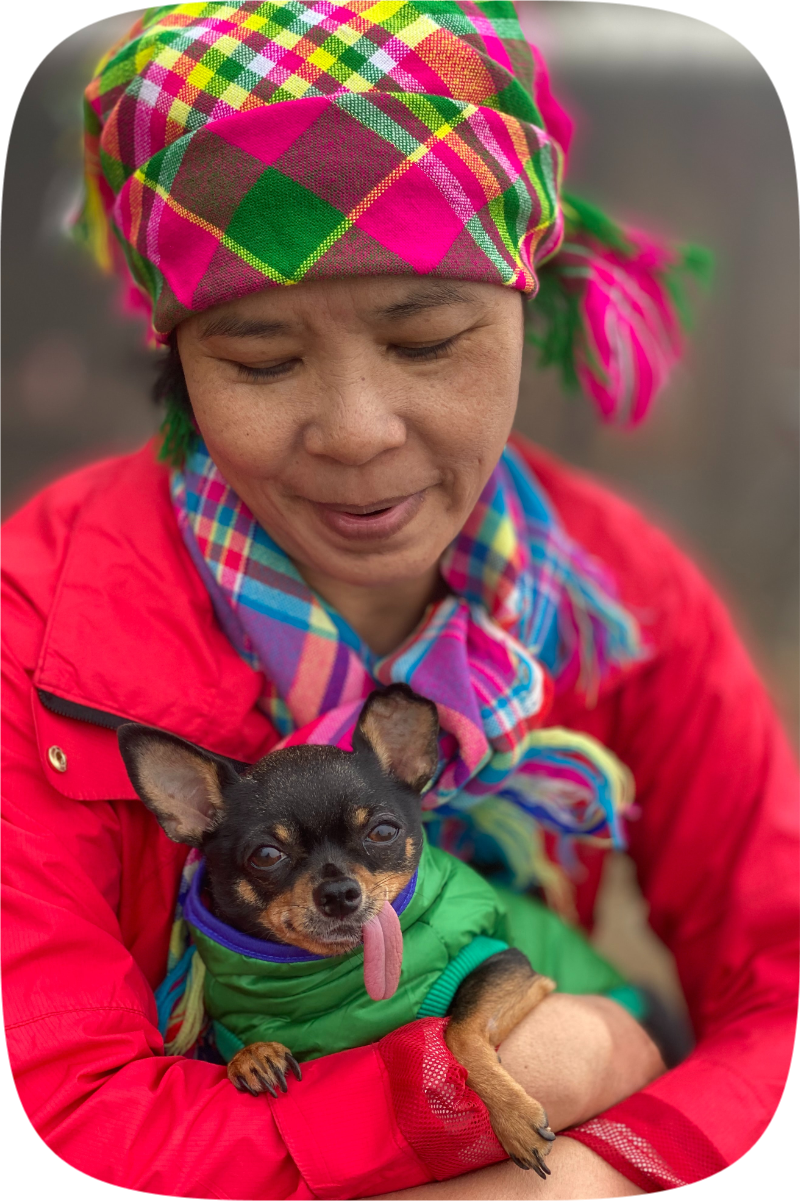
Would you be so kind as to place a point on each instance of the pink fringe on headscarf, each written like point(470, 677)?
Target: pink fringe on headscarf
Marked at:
point(629, 336)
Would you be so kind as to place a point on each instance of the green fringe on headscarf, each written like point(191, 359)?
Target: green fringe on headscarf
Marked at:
point(177, 434)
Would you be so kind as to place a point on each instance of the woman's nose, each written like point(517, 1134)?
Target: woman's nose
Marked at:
point(354, 423)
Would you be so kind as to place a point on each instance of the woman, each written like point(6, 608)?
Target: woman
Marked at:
point(340, 508)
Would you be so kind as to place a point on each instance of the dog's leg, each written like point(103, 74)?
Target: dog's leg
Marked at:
point(262, 1067)
point(487, 1006)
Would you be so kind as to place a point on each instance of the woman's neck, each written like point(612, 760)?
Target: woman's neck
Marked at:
point(385, 616)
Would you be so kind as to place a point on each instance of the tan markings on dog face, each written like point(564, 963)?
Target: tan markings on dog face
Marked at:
point(247, 892)
point(360, 816)
point(290, 917)
point(380, 886)
point(283, 833)
point(403, 732)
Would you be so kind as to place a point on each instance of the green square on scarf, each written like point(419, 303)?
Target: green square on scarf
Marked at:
point(281, 223)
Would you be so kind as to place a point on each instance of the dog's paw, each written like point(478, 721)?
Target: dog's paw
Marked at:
point(262, 1068)
point(526, 1136)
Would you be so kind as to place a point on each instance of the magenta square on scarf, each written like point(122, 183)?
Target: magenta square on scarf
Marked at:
point(413, 219)
point(268, 132)
point(185, 251)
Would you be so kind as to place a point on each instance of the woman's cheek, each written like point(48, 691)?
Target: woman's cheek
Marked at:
point(467, 414)
point(243, 426)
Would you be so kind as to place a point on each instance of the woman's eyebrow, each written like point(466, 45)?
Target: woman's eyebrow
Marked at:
point(421, 300)
point(242, 327)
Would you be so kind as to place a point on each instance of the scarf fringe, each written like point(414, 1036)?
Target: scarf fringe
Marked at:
point(521, 840)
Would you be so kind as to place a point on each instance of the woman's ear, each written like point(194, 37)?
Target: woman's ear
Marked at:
point(402, 729)
point(178, 782)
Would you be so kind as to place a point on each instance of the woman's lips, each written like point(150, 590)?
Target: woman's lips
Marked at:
point(365, 522)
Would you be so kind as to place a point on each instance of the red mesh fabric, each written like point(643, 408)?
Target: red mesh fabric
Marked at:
point(651, 1143)
point(443, 1120)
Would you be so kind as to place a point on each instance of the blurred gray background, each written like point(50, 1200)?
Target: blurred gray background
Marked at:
point(678, 129)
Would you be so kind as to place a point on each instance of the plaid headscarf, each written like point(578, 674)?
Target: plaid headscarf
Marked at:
point(525, 604)
point(233, 147)
point(243, 145)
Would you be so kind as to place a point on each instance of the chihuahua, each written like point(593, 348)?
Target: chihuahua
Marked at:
point(309, 847)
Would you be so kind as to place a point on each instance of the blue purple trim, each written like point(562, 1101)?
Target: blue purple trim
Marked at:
point(196, 913)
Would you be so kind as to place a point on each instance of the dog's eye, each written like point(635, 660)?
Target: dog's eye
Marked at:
point(383, 833)
point(265, 857)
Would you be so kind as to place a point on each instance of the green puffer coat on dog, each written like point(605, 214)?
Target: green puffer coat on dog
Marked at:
point(451, 918)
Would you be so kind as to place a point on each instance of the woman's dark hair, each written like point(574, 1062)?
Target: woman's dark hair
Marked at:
point(178, 427)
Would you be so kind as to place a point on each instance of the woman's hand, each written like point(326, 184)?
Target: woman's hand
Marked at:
point(578, 1055)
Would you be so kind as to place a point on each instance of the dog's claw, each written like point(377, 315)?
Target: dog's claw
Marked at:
point(245, 1086)
point(546, 1133)
point(262, 1079)
point(525, 1166)
point(539, 1167)
point(541, 1162)
point(281, 1078)
point(294, 1067)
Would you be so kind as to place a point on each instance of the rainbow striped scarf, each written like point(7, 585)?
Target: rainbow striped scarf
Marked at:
point(525, 605)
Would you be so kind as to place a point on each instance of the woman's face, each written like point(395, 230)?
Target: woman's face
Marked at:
point(358, 419)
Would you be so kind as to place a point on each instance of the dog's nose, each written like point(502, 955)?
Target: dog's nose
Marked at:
point(338, 898)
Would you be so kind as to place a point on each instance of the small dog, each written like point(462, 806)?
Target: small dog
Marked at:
point(308, 848)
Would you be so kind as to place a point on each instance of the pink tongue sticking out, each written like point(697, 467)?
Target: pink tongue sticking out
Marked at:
point(383, 954)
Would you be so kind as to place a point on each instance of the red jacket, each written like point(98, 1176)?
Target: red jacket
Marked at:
point(104, 616)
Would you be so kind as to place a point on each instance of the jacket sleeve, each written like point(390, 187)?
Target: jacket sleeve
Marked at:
point(716, 852)
point(89, 1062)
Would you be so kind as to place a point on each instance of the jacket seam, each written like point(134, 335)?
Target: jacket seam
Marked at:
point(44, 650)
point(395, 1127)
point(54, 1013)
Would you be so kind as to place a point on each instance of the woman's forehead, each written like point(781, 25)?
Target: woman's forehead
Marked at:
point(372, 300)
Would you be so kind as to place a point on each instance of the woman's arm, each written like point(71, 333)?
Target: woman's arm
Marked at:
point(578, 1056)
point(577, 1174)
point(716, 848)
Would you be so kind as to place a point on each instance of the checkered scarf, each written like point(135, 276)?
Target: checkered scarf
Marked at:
point(234, 147)
point(231, 147)
point(525, 604)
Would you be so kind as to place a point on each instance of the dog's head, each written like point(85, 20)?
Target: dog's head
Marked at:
point(308, 845)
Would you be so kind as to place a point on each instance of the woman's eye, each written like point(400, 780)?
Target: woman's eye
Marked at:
point(265, 858)
point(383, 833)
point(423, 353)
point(255, 374)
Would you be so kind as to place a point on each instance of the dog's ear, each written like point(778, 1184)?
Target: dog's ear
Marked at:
point(402, 729)
point(178, 782)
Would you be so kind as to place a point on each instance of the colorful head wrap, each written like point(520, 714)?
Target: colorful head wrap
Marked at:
point(236, 146)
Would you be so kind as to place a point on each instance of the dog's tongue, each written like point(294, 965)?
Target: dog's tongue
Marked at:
point(383, 954)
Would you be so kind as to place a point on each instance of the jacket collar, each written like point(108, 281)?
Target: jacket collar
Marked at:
point(132, 634)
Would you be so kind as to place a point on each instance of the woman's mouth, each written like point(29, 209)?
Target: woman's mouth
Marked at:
point(380, 519)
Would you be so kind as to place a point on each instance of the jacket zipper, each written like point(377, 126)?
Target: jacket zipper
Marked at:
point(97, 717)
point(109, 721)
